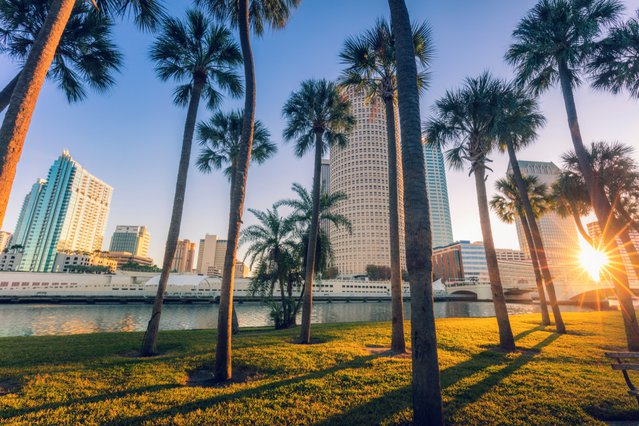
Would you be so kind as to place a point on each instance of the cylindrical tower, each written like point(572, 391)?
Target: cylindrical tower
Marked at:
point(361, 171)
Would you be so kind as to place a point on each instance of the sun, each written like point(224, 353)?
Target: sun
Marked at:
point(592, 260)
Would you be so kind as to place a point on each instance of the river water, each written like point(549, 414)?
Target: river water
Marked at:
point(39, 320)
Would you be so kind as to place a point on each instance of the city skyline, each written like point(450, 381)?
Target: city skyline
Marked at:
point(145, 148)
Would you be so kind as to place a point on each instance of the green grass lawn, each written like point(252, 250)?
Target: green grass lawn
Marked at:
point(94, 379)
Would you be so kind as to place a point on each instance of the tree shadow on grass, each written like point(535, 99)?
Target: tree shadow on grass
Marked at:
point(252, 392)
point(397, 400)
point(9, 413)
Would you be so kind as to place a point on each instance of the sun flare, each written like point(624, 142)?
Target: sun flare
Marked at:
point(592, 260)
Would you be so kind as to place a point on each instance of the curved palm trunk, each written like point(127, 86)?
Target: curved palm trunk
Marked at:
point(537, 241)
point(506, 340)
point(23, 99)
point(426, 389)
point(149, 346)
point(5, 94)
point(223, 369)
point(398, 344)
point(580, 226)
point(545, 318)
point(305, 334)
point(603, 211)
point(235, 323)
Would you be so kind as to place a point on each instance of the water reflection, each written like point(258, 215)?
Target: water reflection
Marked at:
point(38, 320)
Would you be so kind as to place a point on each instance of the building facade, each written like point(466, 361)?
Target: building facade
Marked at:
point(74, 262)
point(10, 260)
point(210, 257)
point(184, 257)
point(511, 255)
point(463, 261)
point(70, 215)
point(124, 257)
point(132, 239)
point(360, 170)
point(558, 234)
point(27, 213)
point(441, 224)
point(5, 240)
point(325, 188)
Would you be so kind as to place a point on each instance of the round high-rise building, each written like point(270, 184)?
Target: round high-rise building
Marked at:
point(361, 171)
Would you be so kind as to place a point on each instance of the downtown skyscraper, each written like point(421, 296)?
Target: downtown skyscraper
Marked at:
point(440, 222)
point(66, 213)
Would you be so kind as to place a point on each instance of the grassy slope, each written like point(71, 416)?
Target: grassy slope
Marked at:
point(90, 379)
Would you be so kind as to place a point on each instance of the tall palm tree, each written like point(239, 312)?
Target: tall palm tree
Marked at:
point(467, 118)
point(318, 117)
point(246, 15)
point(220, 140)
point(202, 57)
point(570, 199)
point(615, 63)
point(426, 389)
point(553, 43)
point(85, 56)
point(302, 216)
point(508, 205)
point(519, 121)
point(273, 246)
point(371, 69)
point(13, 131)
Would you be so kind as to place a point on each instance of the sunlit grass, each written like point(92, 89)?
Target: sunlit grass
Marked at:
point(92, 379)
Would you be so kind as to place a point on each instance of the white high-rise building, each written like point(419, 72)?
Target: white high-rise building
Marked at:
point(210, 257)
point(68, 214)
point(558, 234)
point(325, 188)
point(360, 170)
point(441, 224)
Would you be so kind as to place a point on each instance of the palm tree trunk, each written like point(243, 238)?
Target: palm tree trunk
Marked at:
point(398, 344)
point(603, 211)
point(580, 226)
point(426, 389)
point(537, 241)
point(5, 94)
point(305, 334)
point(23, 99)
point(506, 340)
point(149, 346)
point(545, 318)
point(235, 323)
point(223, 369)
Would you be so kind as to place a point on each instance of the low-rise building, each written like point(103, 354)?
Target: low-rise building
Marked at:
point(77, 262)
point(10, 260)
point(123, 257)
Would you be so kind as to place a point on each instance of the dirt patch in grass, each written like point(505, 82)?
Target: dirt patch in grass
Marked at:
point(8, 386)
point(205, 377)
point(386, 352)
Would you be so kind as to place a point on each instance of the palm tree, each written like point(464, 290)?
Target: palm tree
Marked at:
point(508, 205)
point(570, 199)
point(615, 64)
point(371, 69)
point(220, 140)
point(86, 54)
point(274, 248)
point(246, 15)
point(618, 174)
point(519, 121)
point(318, 117)
point(302, 215)
point(467, 119)
point(552, 45)
point(202, 57)
point(147, 13)
point(427, 401)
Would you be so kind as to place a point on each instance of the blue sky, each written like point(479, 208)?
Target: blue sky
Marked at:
point(131, 136)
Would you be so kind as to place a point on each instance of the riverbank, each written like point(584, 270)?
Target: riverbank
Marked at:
point(345, 378)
